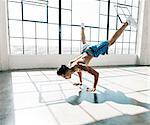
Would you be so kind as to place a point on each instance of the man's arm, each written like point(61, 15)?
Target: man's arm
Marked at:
point(75, 59)
point(92, 72)
point(80, 78)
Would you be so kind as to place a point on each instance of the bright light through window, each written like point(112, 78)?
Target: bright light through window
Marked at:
point(35, 25)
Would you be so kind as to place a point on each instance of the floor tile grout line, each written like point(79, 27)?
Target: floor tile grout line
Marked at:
point(31, 107)
point(48, 104)
point(61, 90)
point(87, 112)
point(49, 79)
point(26, 92)
point(114, 108)
point(48, 91)
point(120, 85)
point(135, 72)
point(44, 101)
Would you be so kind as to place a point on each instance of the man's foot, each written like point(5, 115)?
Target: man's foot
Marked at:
point(82, 25)
point(131, 22)
point(90, 89)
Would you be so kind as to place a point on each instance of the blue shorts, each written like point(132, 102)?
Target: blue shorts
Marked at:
point(99, 49)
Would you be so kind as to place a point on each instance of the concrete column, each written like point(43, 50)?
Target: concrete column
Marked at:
point(143, 36)
point(3, 35)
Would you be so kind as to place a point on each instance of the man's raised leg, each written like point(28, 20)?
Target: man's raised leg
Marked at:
point(117, 34)
point(82, 34)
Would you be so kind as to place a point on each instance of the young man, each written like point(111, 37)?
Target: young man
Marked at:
point(80, 63)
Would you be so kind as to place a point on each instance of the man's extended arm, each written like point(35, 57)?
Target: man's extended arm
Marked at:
point(92, 72)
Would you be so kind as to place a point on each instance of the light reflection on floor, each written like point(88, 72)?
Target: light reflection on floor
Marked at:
point(43, 98)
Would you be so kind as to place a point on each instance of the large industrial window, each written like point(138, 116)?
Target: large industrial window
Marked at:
point(43, 27)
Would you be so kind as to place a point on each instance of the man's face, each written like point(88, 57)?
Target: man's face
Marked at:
point(67, 75)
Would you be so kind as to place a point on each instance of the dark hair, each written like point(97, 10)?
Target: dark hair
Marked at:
point(62, 70)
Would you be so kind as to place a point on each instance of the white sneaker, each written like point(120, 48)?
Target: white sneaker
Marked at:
point(82, 25)
point(131, 22)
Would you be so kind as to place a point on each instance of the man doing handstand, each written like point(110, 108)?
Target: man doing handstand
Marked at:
point(80, 63)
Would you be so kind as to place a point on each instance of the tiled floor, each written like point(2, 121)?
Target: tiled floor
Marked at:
point(40, 97)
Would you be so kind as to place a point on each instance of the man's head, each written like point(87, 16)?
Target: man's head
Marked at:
point(64, 71)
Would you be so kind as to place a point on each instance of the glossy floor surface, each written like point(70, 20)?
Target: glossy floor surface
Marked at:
point(40, 97)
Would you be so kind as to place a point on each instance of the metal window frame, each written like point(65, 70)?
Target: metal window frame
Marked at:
point(71, 25)
point(29, 2)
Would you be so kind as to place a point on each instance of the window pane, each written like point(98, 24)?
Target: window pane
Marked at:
point(66, 32)
point(76, 35)
point(66, 47)
point(53, 15)
point(29, 29)
point(76, 47)
point(16, 46)
point(115, 1)
point(103, 7)
point(29, 46)
point(118, 48)
point(122, 1)
point(103, 21)
point(41, 47)
point(112, 22)
point(91, 13)
point(38, 13)
point(132, 48)
point(41, 30)
point(111, 49)
point(81, 13)
point(103, 34)
point(53, 3)
point(14, 10)
point(94, 34)
point(53, 47)
point(126, 48)
point(15, 28)
point(66, 4)
point(111, 33)
point(134, 12)
point(112, 10)
point(66, 17)
point(135, 3)
point(129, 2)
point(133, 37)
point(53, 31)
point(126, 36)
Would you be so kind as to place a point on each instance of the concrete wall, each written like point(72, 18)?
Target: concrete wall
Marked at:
point(143, 36)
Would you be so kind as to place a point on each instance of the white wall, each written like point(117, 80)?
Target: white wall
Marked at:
point(143, 36)
point(3, 36)
point(53, 61)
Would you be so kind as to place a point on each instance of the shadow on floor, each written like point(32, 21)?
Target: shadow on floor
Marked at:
point(138, 119)
point(101, 97)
